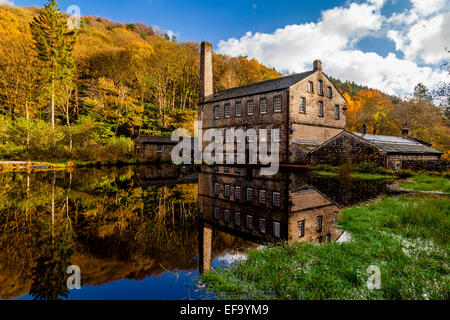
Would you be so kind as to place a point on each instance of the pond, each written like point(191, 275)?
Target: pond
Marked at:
point(147, 232)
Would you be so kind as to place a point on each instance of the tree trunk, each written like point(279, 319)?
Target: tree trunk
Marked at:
point(53, 113)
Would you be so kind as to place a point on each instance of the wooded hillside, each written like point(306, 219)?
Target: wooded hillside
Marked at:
point(90, 92)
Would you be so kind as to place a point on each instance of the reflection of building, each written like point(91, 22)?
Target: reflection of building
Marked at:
point(283, 206)
point(164, 174)
point(260, 208)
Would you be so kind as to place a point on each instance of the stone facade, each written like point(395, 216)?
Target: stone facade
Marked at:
point(305, 123)
point(346, 147)
point(154, 148)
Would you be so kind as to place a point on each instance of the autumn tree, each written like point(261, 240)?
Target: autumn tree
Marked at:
point(54, 43)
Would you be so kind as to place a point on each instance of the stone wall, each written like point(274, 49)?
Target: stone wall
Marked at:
point(346, 148)
point(429, 165)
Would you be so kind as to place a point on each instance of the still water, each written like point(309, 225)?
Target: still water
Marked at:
point(148, 232)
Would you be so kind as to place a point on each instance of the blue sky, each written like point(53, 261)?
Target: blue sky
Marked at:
point(374, 42)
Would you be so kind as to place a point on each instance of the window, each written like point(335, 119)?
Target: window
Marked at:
point(319, 240)
point(276, 199)
point(216, 189)
point(310, 86)
point(251, 135)
point(276, 134)
point(319, 223)
point(237, 192)
point(321, 87)
point(250, 107)
point(237, 171)
point(238, 108)
point(159, 148)
point(217, 112)
point(249, 194)
point(337, 114)
point(216, 169)
point(320, 109)
point(227, 110)
point(226, 170)
point(277, 104)
point(263, 106)
point(226, 191)
point(329, 92)
point(216, 213)
point(262, 196)
point(226, 216)
point(328, 238)
point(249, 222)
point(237, 219)
point(262, 225)
point(301, 229)
point(276, 229)
point(302, 105)
point(263, 135)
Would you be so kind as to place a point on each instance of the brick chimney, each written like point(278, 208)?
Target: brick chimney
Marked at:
point(206, 72)
point(317, 65)
point(405, 130)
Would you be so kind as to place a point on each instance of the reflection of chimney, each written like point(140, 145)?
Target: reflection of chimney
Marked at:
point(364, 128)
point(405, 130)
point(206, 71)
point(205, 243)
point(317, 65)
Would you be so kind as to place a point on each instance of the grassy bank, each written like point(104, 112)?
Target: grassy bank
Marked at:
point(406, 237)
point(422, 182)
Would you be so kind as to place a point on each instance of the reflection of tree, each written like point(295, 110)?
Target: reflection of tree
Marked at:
point(49, 274)
point(101, 222)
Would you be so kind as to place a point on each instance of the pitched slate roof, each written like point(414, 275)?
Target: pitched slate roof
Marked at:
point(259, 87)
point(399, 145)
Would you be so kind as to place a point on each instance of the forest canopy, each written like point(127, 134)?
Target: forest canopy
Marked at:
point(107, 82)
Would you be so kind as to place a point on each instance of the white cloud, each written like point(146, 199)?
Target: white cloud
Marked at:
point(332, 39)
point(427, 7)
point(7, 3)
point(422, 32)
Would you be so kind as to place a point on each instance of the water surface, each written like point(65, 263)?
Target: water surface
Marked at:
point(147, 232)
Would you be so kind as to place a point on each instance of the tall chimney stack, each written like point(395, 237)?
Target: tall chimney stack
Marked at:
point(206, 72)
point(317, 65)
point(405, 130)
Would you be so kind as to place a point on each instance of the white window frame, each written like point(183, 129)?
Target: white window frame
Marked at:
point(321, 111)
point(302, 105)
point(276, 229)
point(217, 213)
point(227, 110)
point(159, 148)
point(237, 192)
point(249, 222)
point(249, 194)
point(278, 109)
point(320, 87)
point(237, 219)
point(250, 104)
point(275, 195)
point(238, 114)
point(262, 225)
point(217, 112)
point(261, 111)
point(262, 196)
point(301, 228)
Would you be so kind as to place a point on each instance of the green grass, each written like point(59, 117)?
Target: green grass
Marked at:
point(406, 237)
point(427, 183)
point(356, 175)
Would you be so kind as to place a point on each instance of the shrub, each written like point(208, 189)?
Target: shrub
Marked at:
point(405, 173)
point(370, 167)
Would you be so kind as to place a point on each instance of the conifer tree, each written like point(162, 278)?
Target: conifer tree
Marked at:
point(54, 43)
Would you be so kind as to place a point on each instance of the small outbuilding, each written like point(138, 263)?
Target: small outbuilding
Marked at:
point(390, 151)
point(155, 148)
